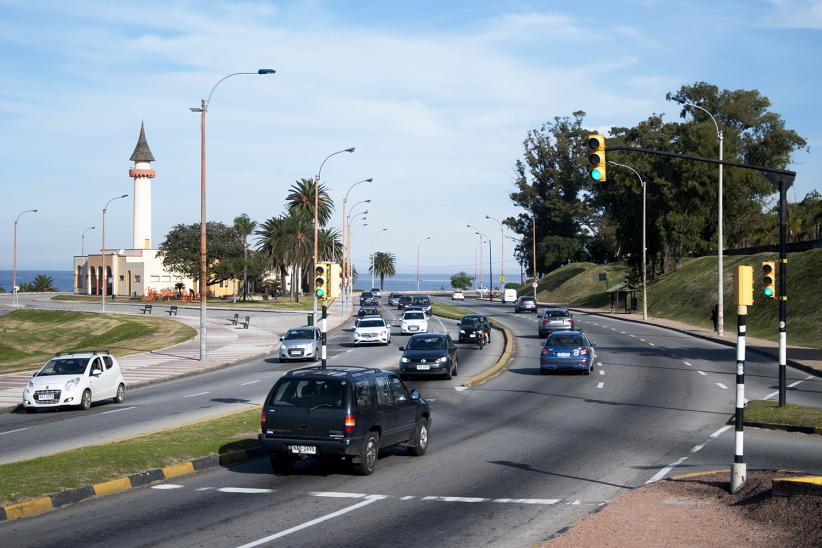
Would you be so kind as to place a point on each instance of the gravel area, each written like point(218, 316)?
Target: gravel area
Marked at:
point(699, 511)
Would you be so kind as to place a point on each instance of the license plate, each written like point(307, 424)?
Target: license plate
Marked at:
point(563, 354)
point(557, 322)
point(46, 397)
point(423, 367)
point(303, 449)
point(296, 352)
point(413, 328)
point(473, 335)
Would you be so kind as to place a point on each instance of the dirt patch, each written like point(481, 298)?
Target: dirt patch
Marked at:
point(699, 511)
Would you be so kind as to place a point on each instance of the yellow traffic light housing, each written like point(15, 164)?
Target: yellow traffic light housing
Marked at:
point(769, 279)
point(321, 280)
point(743, 285)
point(334, 281)
point(596, 157)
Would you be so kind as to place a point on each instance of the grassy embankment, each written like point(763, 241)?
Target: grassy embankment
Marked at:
point(769, 412)
point(97, 463)
point(30, 337)
point(282, 304)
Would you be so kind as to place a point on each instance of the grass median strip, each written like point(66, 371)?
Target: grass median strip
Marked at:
point(107, 463)
point(769, 412)
point(449, 311)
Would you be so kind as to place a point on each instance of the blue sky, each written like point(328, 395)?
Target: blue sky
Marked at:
point(437, 97)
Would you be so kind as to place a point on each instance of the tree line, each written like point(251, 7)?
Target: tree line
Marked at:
point(577, 219)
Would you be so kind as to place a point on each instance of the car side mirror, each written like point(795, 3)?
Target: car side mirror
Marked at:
point(402, 349)
point(96, 372)
point(281, 338)
point(415, 394)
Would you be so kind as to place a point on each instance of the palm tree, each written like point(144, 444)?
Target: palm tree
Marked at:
point(329, 244)
point(300, 199)
point(384, 264)
point(43, 283)
point(244, 227)
point(287, 242)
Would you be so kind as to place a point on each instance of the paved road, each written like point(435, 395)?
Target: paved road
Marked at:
point(510, 462)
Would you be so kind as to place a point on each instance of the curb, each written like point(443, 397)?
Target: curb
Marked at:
point(785, 427)
point(52, 502)
point(806, 485)
point(503, 360)
point(796, 365)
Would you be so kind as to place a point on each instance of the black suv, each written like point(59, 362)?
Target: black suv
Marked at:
point(429, 354)
point(423, 302)
point(404, 302)
point(365, 296)
point(341, 412)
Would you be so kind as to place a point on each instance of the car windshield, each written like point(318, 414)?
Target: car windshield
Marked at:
point(308, 393)
point(422, 300)
point(469, 321)
point(414, 316)
point(426, 343)
point(296, 334)
point(64, 366)
point(565, 341)
point(556, 313)
point(369, 312)
point(371, 323)
point(523, 299)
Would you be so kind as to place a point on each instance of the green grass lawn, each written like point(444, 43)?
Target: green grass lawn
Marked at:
point(97, 463)
point(283, 303)
point(449, 311)
point(30, 337)
point(794, 415)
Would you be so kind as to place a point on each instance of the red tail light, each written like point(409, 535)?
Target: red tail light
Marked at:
point(583, 351)
point(544, 350)
point(350, 423)
point(262, 419)
point(544, 322)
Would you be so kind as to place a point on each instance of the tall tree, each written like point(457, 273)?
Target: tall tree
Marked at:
point(300, 199)
point(180, 251)
point(383, 264)
point(244, 227)
point(287, 243)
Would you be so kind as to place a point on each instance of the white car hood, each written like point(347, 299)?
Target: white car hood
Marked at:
point(53, 382)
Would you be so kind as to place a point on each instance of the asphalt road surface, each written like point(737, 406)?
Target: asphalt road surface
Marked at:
point(509, 463)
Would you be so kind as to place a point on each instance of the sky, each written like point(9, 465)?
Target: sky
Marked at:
point(437, 98)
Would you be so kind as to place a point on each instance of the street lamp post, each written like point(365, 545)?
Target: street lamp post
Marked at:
point(521, 270)
point(348, 265)
point(14, 257)
point(83, 251)
point(346, 275)
point(204, 103)
point(490, 268)
point(720, 288)
point(501, 255)
point(372, 253)
point(479, 287)
point(418, 260)
point(103, 251)
point(644, 247)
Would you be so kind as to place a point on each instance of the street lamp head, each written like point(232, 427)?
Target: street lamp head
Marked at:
point(124, 196)
point(350, 149)
point(195, 109)
point(34, 211)
point(369, 180)
point(266, 71)
point(428, 238)
point(368, 201)
point(487, 217)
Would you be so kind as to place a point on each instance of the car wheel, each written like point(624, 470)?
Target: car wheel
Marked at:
point(587, 372)
point(281, 465)
point(419, 443)
point(449, 374)
point(31, 409)
point(121, 393)
point(456, 368)
point(85, 400)
point(368, 455)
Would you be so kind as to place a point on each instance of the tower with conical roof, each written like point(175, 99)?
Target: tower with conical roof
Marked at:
point(142, 173)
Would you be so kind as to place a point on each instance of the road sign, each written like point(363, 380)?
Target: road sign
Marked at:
point(534, 285)
point(502, 279)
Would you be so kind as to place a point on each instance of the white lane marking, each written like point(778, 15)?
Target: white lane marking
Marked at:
point(622, 332)
point(702, 373)
point(662, 473)
point(723, 429)
point(457, 499)
point(13, 431)
point(166, 486)
point(652, 344)
point(697, 448)
point(599, 364)
point(633, 336)
point(409, 497)
point(643, 340)
point(674, 356)
point(248, 490)
point(117, 410)
point(313, 522)
point(612, 329)
point(460, 388)
point(338, 495)
point(547, 502)
point(601, 372)
point(689, 364)
point(204, 489)
point(722, 386)
point(600, 384)
point(249, 382)
point(347, 351)
point(771, 395)
point(200, 394)
point(793, 384)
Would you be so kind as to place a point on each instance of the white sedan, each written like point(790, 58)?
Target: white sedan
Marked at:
point(372, 331)
point(457, 296)
point(413, 321)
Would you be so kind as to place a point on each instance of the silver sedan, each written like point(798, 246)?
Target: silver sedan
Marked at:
point(300, 343)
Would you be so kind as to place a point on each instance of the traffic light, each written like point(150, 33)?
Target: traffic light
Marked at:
point(743, 286)
point(321, 280)
point(334, 280)
point(769, 279)
point(596, 157)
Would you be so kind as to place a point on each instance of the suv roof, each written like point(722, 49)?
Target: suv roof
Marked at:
point(555, 309)
point(336, 372)
point(81, 353)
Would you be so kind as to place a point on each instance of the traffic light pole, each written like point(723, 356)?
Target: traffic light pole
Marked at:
point(738, 470)
point(324, 331)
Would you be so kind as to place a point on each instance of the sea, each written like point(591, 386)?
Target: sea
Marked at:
point(64, 280)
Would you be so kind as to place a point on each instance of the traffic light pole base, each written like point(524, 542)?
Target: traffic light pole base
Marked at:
point(738, 473)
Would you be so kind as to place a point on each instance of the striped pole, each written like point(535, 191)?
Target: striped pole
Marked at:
point(738, 470)
point(324, 330)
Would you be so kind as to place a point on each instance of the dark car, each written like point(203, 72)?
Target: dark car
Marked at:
point(525, 303)
point(470, 324)
point(404, 302)
point(366, 311)
point(555, 319)
point(423, 302)
point(341, 412)
point(366, 298)
point(429, 354)
point(567, 350)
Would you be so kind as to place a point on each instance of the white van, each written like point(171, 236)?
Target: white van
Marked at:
point(509, 296)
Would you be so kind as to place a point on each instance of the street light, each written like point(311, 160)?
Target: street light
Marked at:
point(479, 287)
point(372, 253)
point(346, 274)
point(105, 274)
point(521, 269)
point(14, 257)
point(644, 270)
point(501, 253)
point(418, 260)
point(83, 252)
point(204, 103)
point(490, 270)
point(720, 289)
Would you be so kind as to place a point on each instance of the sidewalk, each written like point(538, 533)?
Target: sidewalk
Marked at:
point(800, 357)
point(226, 344)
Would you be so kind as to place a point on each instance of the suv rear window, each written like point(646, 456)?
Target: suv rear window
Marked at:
point(422, 300)
point(308, 393)
point(526, 298)
point(556, 313)
point(565, 341)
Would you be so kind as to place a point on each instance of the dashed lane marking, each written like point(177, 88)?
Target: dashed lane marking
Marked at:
point(633, 336)
point(437, 498)
point(662, 473)
point(722, 386)
point(198, 394)
point(166, 486)
point(249, 382)
point(643, 340)
point(719, 432)
point(652, 344)
point(600, 384)
point(599, 364)
point(13, 431)
point(702, 373)
point(246, 490)
point(601, 372)
point(118, 410)
point(460, 388)
point(689, 364)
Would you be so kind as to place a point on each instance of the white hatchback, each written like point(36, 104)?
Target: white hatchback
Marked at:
point(413, 321)
point(75, 379)
point(458, 296)
point(372, 330)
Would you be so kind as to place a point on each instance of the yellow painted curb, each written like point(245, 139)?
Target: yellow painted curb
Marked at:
point(113, 486)
point(228, 458)
point(697, 474)
point(178, 470)
point(27, 508)
point(812, 480)
point(501, 362)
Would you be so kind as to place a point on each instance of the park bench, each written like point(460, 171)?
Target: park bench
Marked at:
point(146, 309)
point(235, 320)
point(172, 310)
point(246, 321)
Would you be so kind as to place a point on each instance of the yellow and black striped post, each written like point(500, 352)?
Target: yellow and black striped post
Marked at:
point(744, 298)
point(324, 330)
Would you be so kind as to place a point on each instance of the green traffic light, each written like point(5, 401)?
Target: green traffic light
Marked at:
point(768, 292)
point(320, 292)
point(596, 174)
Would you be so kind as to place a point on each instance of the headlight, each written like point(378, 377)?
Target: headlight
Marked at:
point(404, 360)
point(442, 360)
point(70, 385)
point(29, 386)
point(462, 331)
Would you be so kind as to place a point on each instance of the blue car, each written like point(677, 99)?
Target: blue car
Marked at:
point(569, 350)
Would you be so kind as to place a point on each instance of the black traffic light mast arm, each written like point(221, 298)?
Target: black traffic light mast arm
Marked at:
point(782, 179)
